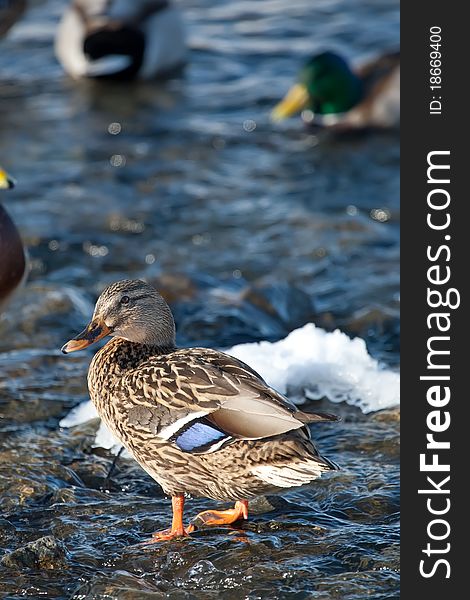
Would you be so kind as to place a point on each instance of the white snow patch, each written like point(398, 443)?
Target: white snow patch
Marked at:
point(319, 364)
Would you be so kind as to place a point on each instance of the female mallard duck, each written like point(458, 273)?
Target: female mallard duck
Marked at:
point(339, 97)
point(13, 261)
point(197, 420)
point(120, 39)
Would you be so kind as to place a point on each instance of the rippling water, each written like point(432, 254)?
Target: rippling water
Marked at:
point(250, 230)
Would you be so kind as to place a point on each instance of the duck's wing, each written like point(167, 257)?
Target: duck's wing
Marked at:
point(202, 399)
point(380, 106)
point(378, 69)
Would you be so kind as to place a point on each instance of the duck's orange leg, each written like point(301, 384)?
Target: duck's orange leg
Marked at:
point(177, 527)
point(224, 517)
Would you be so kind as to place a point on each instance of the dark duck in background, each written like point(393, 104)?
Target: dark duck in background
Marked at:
point(12, 255)
point(120, 39)
point(10, 12)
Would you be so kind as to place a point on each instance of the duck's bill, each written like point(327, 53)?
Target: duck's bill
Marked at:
point(93, 332)
point(6, 182)
point(293, 102)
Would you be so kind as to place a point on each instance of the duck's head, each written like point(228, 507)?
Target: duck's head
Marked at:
point(326, 85)
point(132, 310)
point(6, 182)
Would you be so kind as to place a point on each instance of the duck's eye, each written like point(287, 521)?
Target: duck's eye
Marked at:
point(125, 300)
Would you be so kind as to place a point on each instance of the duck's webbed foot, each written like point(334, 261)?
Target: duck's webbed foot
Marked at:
point(223, 517)
point(170, 534)
point(177, 528)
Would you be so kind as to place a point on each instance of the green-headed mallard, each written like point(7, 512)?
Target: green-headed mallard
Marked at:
point(120, 39)
point(197, 420)
point(12, 255)
point(334, 95)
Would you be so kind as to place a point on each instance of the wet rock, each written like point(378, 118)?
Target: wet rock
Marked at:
point(380, 328)
point(27, 477)
point(121, 585)
point(20, 491)
point(375, 317)
point(37, 310)
point(202, 568)
point(6, 529)
point(36, 409)
point(389, 415)
point(266, 504)
point(64, 496)
point(282, 301)
point(81, 437)
point(45, 553)
point(175, 287)
point(227, 322)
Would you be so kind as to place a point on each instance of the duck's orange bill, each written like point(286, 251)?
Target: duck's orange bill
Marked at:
point(93, 332)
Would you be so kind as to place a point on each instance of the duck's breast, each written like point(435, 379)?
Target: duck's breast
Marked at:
point(12, 258)
point(68, 44)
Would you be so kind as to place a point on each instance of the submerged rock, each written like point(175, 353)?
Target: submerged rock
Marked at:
point(387, 415)
point(44, 553)
point(270, 503)
point(281, 300)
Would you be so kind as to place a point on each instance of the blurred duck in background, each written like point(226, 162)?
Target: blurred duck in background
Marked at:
point(10, 12)
point(121, 39)
point(12, 254)
point(331, 94)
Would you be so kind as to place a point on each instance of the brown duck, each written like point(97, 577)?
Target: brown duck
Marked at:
point(199, 421)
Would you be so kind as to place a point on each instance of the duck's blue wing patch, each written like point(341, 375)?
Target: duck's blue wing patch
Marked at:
point(200, 436)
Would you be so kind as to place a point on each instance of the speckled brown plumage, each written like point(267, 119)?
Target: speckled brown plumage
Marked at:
point(138, 391)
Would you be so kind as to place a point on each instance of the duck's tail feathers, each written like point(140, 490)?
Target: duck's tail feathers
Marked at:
point(293, 474)
point(329, 464)
point(315, 417)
